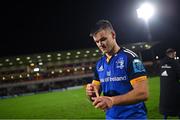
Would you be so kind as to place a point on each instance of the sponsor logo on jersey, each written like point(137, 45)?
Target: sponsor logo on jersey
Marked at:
point(120, 63)
point(113, 79)
point(166, 66)
point(138, 66)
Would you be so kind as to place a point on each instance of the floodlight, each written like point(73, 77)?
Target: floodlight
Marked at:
point(145, 11)
point(36, 69)
point(157, 57)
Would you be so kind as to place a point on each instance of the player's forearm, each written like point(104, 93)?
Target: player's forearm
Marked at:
point(129, 98)
point(138, 94)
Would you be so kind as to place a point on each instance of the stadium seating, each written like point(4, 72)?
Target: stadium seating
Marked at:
point(55, 70)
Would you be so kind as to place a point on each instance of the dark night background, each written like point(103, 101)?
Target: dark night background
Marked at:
point(30, 26)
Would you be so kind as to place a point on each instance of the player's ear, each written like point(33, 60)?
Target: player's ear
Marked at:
point(113, 34)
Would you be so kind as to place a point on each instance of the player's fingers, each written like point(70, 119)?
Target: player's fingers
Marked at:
point(100, 105)
point(89, 87)
point(104, 107)
point(90, 93)
point(93, 98)
point(96, 101)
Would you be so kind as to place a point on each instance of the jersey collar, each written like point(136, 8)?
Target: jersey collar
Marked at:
point(108, 59)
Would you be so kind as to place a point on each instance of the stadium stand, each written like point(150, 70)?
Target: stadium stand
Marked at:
point(56, 70)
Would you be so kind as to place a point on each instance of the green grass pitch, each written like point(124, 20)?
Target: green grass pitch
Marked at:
point(70, 104)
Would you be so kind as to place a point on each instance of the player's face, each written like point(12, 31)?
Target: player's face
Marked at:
point(105, 40)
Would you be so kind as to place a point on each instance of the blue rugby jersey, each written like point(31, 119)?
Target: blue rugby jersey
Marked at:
point(115, 78)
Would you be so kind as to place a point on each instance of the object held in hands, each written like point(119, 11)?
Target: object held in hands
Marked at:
point(96, 91)
point(96, 83)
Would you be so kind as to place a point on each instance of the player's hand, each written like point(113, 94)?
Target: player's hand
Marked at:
point(90, 91)
point(103, 102)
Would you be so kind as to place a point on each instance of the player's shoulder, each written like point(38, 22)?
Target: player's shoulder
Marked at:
point(129, 53)
point(101, 60)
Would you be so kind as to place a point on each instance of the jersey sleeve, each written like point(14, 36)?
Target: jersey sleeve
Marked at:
point(96, 80)
point(136, 70)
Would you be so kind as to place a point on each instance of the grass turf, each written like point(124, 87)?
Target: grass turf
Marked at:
point(70, 104)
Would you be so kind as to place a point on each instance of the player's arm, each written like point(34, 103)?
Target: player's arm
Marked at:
point(137, 94)
point(139, 83)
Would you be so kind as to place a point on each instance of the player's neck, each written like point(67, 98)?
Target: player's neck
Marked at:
point(113, 51)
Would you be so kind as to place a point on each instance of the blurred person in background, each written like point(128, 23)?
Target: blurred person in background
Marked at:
point(169, 85)
point(119, 75)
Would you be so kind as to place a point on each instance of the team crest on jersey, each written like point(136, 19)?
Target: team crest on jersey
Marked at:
point(101, 68)
point(138, 66)
point(120, 63)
